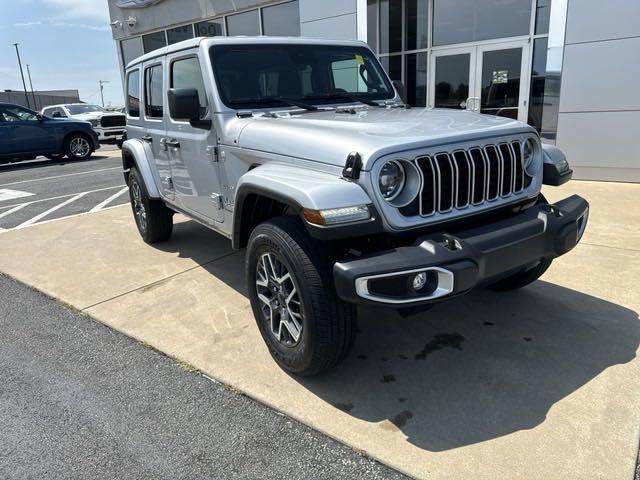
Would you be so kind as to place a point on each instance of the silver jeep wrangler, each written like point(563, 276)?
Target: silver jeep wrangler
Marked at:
point(302, 152)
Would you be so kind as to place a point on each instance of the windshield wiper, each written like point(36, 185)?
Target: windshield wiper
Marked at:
point(270, 100)
point(350, 98)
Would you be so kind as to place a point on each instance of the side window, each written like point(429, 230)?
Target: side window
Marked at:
point(186, 73)
point(19, 114)
point(153, 92)
point(133, 93)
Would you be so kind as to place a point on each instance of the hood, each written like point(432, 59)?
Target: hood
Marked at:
point(329, 137)
point(95, 115)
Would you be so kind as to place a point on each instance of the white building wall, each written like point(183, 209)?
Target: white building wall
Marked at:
point(599, 121)
point(334, 19)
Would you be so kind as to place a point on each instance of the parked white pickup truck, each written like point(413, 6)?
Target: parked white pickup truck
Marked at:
point(110, 126)
point(303, 153)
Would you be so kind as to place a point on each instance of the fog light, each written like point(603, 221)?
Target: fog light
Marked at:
point(419, 281)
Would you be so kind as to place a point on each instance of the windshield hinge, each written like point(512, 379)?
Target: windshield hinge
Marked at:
point(353, 166)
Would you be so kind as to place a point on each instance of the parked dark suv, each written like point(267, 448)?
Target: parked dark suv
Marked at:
point(25, 134)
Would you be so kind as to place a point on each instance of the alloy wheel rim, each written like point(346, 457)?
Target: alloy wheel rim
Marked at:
point(279, 298)
point(138, 206)
point(79, 147)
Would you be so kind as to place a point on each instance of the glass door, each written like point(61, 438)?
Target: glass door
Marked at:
point(485, 78)
point(452, 78)
point(501, 86)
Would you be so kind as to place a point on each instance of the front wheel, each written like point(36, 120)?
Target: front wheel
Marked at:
point(306, 327)
point(78, 147)
point(153, 219)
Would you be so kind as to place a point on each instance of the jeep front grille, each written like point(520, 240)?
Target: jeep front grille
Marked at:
point(458, 179)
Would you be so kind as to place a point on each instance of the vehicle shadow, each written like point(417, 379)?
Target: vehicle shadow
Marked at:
point(17, 165)
point(475, 369)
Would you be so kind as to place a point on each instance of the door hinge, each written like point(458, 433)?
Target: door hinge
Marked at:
point(218, 200)
point(214, 154)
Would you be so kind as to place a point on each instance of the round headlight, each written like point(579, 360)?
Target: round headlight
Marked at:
point(529, 156)
point(392, 180)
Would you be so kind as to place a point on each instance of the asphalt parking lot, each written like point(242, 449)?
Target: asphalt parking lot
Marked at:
point(43, 190)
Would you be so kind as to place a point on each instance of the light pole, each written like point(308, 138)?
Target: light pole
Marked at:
point(24, 84)
point(33, 94)
point(102, 82)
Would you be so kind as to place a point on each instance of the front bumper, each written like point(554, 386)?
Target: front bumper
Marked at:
point(112, 134)
point(456, 264)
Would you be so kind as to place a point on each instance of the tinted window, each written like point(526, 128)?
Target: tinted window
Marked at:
point(393, 67)
point(283, 20)
point(458, 21)
point(133, 93)
point(250, 76)
point(154, 41)
point(153, 92)
point(416, 79)
point(212, 28)
point(452, 81)
point(186, 73)
point(19, 114)
point(543, 15)
point(372, 24)
point(390, 26)
point(131, 49)
point(417, 24)
point(178, 34)
point(246, 23)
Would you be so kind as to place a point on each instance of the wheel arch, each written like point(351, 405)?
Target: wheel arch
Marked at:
point(136, 154)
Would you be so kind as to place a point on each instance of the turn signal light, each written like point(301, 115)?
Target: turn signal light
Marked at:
point(337, 216)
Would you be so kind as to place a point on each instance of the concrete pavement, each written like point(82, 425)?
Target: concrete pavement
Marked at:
point(80, 401)
point(540, 383)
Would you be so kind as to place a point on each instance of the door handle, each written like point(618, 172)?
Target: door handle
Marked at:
point(173, 143)
point(147, 138)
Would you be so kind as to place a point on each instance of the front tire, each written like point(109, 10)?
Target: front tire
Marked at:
point(78, 147)
point(306, 327)
point(153, 219)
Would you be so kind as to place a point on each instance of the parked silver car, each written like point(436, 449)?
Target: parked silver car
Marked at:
point(302, 152)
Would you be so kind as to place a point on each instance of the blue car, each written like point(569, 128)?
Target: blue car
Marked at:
point(25, 134)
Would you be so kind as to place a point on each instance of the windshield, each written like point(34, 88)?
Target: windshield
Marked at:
point(80, 109)
point(255, 76)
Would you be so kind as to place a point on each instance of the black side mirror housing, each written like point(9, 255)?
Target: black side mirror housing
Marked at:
point(399, 86)
point(184, 104)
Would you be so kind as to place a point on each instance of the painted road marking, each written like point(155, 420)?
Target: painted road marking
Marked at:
point(61, 176)
point(50, 211)
point(6, 194)
point(101, 205)
point(13, 210)
point(60, 197)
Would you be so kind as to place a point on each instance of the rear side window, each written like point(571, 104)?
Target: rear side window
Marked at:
point(186, 73)
point(133, 93)
point(153, 92)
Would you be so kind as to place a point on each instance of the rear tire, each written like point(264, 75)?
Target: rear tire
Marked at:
point(289, 277)
point(78, 146)
point(153, 219)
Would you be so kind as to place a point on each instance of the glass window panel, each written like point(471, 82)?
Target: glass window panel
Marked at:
point(417, 79)
point(154, 41)
point(131, 49)
point(153, 92)
point(459, 21)
point(452, 81)
point(133, 93)
point(543, 14)
point(544, 100)
point(186, 73)
point(179, 34)
point(393, 67)
point(247, 23)
point(390, 26)
point(283, 20)
point(417, 24)
point(212, 28)
point(500, 94)
point(347, 77)
point(372, 24)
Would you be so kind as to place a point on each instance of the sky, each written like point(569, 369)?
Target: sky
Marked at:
point(67, 44)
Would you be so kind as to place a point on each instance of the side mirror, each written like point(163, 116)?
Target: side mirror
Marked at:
point(399, 86)
point(39, 117)
point(184, 104)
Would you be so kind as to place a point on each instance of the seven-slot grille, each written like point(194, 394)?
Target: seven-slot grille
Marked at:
point(462, 178)
point(113, 121)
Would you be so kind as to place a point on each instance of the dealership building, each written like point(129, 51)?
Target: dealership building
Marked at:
point(567, 67)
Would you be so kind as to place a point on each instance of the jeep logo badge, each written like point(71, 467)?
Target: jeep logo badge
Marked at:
point(136, 3)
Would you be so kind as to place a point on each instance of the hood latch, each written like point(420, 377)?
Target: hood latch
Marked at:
point(353, 166)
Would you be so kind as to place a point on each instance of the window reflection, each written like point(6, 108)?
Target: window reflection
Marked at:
point(417, 24)
point(390, 26)
point(417, 78)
